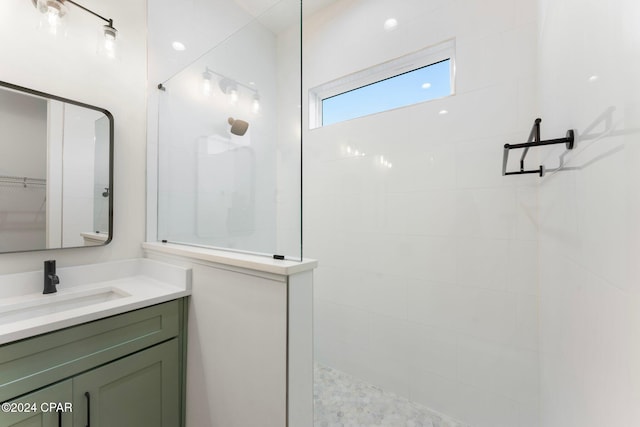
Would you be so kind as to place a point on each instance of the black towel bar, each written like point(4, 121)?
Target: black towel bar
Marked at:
point(534, 141)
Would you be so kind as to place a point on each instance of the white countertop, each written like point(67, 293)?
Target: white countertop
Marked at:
point(85, 293)
point(235, 259)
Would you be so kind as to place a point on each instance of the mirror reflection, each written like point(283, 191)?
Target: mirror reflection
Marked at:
point(55, 172)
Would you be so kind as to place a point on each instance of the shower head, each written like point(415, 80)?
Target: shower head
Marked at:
point(238, 127)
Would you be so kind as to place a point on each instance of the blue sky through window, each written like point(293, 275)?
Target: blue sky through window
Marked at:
point(423, 84)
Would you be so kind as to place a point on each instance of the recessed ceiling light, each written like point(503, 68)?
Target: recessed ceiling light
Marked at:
point(426, 85)
point(443, 112)
point(390, 24)
point(593, 78)
point(178, 46)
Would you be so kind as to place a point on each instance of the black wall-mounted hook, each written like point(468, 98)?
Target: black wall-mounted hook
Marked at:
point(534, 141)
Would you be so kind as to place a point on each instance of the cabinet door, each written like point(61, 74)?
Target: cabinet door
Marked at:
point(38, 409)
point(141, 390)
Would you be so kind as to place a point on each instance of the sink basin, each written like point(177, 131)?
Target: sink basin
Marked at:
point(85, 293)
point(44, 305)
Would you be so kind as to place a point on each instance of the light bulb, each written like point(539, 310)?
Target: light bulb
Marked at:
point(255, 104)
point(54, 11)
point(53, 18)
point(109, 34)
point(206, 83)
point(230, 88)
point(233, 96)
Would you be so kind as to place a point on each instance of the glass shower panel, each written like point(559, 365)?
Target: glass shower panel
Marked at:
point(230, 142)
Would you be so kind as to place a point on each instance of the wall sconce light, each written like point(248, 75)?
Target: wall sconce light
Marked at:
point(57, 9)
point(230, 87)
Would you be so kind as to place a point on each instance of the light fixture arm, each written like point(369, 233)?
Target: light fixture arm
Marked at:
point(109, 21)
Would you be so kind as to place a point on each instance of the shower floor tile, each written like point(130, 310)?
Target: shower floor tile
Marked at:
point(344, 401)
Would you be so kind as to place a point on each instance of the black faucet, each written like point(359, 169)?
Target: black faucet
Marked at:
point(50, 277)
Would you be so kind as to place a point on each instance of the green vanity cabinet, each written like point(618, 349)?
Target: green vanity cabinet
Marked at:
point(121, 371)
point(141, 390)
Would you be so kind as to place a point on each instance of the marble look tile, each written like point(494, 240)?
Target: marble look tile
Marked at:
point(344, 401)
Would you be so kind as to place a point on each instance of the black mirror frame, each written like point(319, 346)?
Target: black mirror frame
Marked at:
point(108, 114)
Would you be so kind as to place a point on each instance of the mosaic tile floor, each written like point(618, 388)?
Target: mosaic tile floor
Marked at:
point(344, 401)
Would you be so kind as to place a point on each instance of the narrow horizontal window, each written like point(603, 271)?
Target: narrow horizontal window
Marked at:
point(421, 76)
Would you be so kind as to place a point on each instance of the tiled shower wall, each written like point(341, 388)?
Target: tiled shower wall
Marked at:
point(590, 214)
point(428, 284)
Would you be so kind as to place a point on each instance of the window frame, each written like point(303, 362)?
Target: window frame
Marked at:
point(387, 70)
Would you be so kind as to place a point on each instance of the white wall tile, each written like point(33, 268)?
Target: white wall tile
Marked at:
point(429, 212)
point(341, 337)
point(487, 409)
point(526, 334)
point(433, 349)
point(436, 392)
point(488, 315)
point(484, 61)
point(390, 352)
point(499, 369)
point(384, 294)
point(588, 239)
point(522, 267)
point(487, 213)
point(483, 263)
point(497, 16)
point(526, 226)
point(435, 304)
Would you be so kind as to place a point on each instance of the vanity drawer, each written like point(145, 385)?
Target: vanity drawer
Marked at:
point(35, 362)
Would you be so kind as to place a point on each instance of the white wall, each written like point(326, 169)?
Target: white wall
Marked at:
point(589, 214)
point(69, 67)
point(427, 284)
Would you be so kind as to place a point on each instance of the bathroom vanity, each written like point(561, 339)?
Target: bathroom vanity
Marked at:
point(117, 361)
point(109, 348)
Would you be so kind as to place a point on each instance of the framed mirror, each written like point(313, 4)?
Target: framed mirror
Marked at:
point(56, 172)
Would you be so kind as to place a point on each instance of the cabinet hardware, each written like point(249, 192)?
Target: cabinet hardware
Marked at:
point(88, 396)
